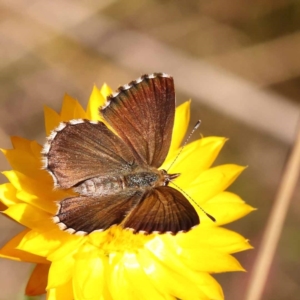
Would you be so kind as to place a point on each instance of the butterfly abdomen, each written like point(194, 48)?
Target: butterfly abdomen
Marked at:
point(101, 186)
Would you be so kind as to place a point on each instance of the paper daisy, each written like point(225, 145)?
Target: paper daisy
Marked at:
point(117, 263)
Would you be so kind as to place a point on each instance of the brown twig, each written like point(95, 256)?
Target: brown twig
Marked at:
point(275, 223)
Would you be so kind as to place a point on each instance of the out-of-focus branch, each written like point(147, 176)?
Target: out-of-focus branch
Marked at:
point(275, 223)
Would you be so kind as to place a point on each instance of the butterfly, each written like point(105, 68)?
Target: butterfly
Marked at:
point(114, 171)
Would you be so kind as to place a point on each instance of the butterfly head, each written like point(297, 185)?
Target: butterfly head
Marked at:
point(168, 177)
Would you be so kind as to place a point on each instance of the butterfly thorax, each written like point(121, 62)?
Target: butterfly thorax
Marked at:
point(144, 179)
point(113, 184)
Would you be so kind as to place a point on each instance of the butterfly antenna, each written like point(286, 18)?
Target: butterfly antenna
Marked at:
point(207, 214)
point(186, 141)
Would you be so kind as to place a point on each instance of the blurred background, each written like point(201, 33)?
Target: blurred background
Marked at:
point(238, 60)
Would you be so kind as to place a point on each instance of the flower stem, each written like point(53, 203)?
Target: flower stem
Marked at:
point(275, 223)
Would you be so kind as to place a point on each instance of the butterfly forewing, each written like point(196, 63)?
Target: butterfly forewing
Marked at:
point(142, 114)
point(81, 150)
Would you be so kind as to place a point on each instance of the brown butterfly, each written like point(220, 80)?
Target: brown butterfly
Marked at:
point(116, 176)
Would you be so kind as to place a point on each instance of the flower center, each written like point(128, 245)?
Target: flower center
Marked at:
point(116, 239)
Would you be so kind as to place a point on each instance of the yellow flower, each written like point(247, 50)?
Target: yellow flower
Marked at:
point(117, 264)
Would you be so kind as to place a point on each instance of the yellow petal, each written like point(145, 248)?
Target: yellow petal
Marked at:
point(168, 256)
point(181, 123)
point(68, 108)
point(88, 273)
point(96, 100)
point(210, 261)
point(209, 286)
point(79, 112)
point(180, 155)
point(227, 207)
point(105, 91)
point(21, 143)
point(37, 193)
point(52, 119)
point(212, 182)
point(38, 280)
point(194, 159)
point(118, 284)
point(61, 272)
point(48, 205)
point(31, 147)
point(37, 243)
point(67, 248)
point(36, 149)
point(29, 216)
point(9, 250)
point(45, 243)
point(169, 281)
point(144, 289)
point(24, 162)
point(8, 194)
point(64, 292)
point(218, 238)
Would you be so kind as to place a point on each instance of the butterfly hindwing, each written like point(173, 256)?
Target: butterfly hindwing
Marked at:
point(142, 113)
point(162, 209)
point(87, 214)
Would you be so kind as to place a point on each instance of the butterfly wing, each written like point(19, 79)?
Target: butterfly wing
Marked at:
point(87, 214)
point(142, 113)
point(80, 150)
point(162, 209)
